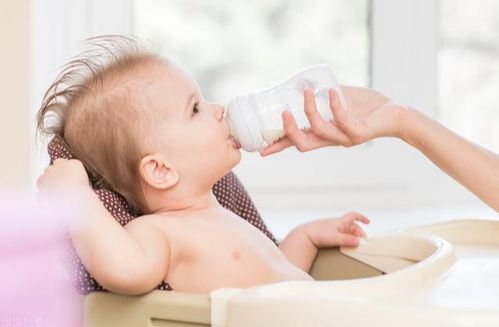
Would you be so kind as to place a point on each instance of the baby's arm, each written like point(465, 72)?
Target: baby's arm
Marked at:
point(130, 260)
point(301, 244)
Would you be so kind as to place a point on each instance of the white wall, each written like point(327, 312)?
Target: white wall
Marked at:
point(14, 90)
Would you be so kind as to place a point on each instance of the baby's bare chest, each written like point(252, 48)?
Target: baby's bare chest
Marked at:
point(206, 254)
point(217, 240)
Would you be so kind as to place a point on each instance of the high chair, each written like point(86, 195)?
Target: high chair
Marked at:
point(437, 275)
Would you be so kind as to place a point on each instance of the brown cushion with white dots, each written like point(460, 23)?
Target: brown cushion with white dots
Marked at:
point(229, 192)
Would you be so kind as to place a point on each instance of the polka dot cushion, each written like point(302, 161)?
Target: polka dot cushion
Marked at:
point(229, 191)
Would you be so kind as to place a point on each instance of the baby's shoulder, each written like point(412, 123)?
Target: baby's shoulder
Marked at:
point(159, 222)
point(146, 221)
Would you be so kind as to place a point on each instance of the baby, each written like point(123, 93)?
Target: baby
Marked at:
point(139, 125)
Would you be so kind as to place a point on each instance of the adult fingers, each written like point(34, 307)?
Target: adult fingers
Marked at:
point(276, 147)
point(342, 120)
point(339, 114)
point(317, 123)
point(355, 129)
point(320, 127)
point(293, 132)
point(304, 140)
point(319, 135)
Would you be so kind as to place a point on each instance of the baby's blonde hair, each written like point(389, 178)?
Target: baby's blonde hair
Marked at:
point(98, 121)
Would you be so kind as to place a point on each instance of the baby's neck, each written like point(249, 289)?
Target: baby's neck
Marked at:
point(200, 202)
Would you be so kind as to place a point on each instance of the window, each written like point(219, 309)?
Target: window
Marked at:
point(236, 46)
point(468, 62)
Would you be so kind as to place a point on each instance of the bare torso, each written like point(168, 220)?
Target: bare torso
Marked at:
point(219, 249)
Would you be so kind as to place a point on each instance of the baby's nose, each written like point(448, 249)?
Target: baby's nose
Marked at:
point(219, 111)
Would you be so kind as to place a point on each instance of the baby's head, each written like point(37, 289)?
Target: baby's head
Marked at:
point(138, 123)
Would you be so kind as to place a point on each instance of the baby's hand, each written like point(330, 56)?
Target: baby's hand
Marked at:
point(63, 178)
point(342, 231)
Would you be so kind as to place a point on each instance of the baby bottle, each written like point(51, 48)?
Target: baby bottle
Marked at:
point(255, 118)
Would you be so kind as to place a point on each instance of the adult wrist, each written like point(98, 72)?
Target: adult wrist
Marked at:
point(411, 122)
point(407, 117)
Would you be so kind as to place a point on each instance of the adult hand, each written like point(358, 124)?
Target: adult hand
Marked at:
point(370, 114)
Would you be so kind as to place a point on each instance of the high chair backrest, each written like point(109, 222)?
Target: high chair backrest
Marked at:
point(229, 191)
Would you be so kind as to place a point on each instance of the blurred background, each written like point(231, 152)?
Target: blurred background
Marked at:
point(441, 57)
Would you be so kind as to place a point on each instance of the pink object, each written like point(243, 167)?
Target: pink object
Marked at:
point(34, 289)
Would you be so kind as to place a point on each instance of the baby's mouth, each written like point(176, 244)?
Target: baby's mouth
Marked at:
point(236, 143)
point(230, 136)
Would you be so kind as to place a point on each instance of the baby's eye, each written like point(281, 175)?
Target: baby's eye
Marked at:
point(195, 109)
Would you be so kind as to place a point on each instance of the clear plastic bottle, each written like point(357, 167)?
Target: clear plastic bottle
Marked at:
point(255, 118)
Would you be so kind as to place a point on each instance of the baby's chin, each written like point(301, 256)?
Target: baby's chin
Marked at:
point(238, 158)
point(235, 159)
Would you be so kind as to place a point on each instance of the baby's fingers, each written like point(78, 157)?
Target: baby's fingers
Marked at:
point(355, 216)
point(39, 182)
point(356, 230)
point(348, 240)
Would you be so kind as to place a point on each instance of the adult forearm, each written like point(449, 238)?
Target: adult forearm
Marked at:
point(299, 249)
point(471, 165)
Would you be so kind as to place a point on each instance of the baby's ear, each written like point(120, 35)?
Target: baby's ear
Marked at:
point(157, 172)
